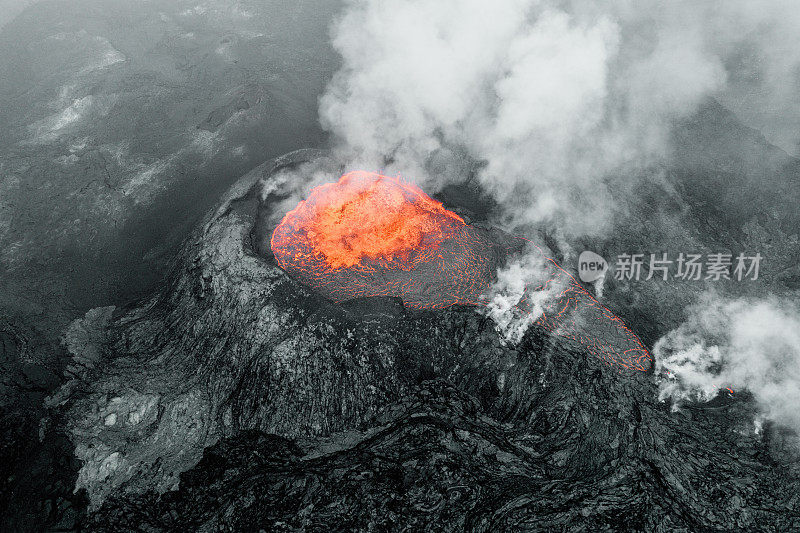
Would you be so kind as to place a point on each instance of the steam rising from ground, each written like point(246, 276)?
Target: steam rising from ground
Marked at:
point(742, 344)
point(506, 294)
point(554, 97)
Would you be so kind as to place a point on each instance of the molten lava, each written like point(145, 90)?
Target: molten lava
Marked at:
point(373, 235)
point(364, 219)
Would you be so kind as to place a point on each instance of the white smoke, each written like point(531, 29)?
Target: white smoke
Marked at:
point(561, 101)
point(11, 8)
point(556, 97)
point(518, 85)
point(738, 344)
point(512, 316)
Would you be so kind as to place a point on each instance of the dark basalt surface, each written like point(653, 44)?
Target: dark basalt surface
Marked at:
point(440, 462)
point(236, 399)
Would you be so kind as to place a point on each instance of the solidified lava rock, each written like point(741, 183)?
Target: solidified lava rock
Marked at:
point(237, 398)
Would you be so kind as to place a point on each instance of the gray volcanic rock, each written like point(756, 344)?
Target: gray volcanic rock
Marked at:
point(725, 190)
point(441, 463)
point(237, 399)
point(123, 123)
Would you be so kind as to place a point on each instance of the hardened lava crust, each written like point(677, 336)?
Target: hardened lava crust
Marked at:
point(239, 398)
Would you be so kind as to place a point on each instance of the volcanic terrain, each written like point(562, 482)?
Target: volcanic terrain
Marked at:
point(241, 398)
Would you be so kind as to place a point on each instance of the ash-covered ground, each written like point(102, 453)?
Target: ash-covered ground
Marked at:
point(162, 373)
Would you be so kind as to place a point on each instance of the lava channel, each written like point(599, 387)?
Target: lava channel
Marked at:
point(373, 235)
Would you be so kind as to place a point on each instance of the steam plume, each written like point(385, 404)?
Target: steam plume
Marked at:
point(506, 293)
point(556, 98)
point(737, 343)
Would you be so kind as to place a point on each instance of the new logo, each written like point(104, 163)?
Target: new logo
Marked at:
point(591, 266)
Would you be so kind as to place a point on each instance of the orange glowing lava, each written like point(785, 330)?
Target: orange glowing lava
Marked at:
point(373, 235)
point(364, 217)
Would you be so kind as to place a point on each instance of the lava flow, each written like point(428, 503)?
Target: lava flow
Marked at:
point(373, 235)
